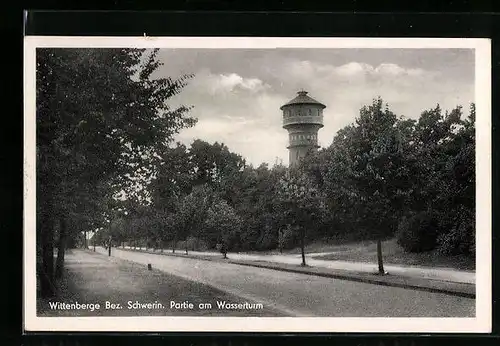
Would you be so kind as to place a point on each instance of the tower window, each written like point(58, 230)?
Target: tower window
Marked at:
point(309, 111)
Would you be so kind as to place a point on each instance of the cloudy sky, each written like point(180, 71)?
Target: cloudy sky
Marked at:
point(236, 93)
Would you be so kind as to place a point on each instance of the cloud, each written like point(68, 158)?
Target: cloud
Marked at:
point(352, 69)
point(396, 70)
point(220, 84)
point(234, 81)
point(308, 69)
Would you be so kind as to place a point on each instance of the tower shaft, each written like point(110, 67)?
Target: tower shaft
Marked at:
point(302, 118)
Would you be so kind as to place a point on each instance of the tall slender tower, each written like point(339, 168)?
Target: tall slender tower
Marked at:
point(302, 118)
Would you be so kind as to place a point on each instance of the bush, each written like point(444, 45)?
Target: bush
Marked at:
point(268, 240)
point(290, 238)
point(193, 244)
point(460, 239)
point(417, 233)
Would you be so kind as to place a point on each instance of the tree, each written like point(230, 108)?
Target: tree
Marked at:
point(222, 226)
point(212, 163)
point(184, 184)
point(192, 212)
point(445, 150)
point(302, 204)
point(331, 169)
point(363, 175)
point(100, 119)
point(253, 194)
point(173, 180)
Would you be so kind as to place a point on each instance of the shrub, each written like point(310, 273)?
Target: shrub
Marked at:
point(290, 237)
point(460, 239)
point(193, 244)
point(268, 240)
point(418, 232)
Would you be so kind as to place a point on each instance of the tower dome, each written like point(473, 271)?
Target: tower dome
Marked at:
point(303, 99)
point(302, 118)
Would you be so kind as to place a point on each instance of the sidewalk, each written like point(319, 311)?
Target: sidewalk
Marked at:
point(449, 281)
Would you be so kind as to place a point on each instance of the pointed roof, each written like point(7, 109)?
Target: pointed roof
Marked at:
point(302, 98)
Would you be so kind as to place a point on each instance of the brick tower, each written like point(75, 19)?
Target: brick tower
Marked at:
point(302, 118)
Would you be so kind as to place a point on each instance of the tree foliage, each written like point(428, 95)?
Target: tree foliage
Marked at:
point(222, 226)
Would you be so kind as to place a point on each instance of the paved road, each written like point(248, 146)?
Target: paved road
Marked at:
point(307, 295)
point(408, 271)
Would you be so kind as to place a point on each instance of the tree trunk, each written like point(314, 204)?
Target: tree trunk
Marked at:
point(302, 248)
point(173, 244)
point(47, 247)
point(379, 257)
point(109, 246)
point(85, 245)
point(186, 232)
point(280, 241)
point(61, 248)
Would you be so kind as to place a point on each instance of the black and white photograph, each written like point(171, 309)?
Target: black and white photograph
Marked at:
point(271, 184)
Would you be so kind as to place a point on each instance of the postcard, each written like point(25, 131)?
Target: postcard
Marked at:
point(242, 184)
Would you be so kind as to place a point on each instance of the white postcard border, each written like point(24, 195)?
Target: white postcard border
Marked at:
point(480, 324)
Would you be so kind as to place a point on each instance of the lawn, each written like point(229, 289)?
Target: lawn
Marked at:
point(392, 254)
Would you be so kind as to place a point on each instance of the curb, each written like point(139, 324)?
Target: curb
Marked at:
point(368, 280)
point(340, 276)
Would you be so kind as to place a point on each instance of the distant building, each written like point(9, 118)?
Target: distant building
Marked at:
point(302, 118)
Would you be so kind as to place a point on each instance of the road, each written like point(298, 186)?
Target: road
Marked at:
point(306, 295)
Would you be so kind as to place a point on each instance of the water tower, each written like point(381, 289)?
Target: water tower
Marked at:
point(302, 118)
